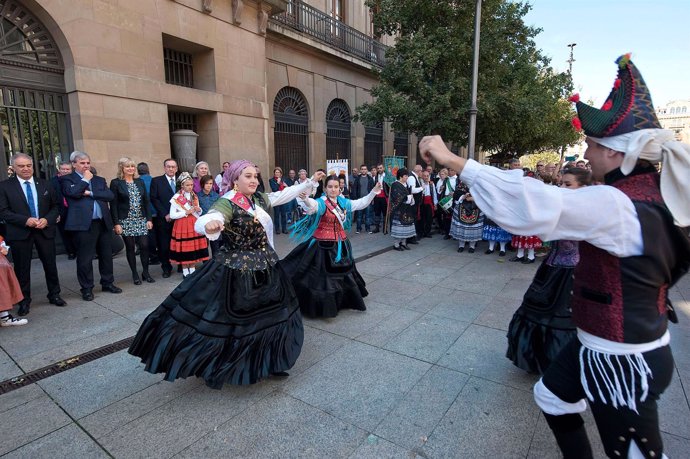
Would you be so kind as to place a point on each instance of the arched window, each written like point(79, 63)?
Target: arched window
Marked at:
point(34, 111)
point(373, 144)
point(685, 109)
point(338, 129)
point(673, 110)
point(291, 133)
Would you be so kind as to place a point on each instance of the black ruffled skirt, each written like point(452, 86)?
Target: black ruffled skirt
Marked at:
point(324, 286)
point(542, 325)
point(223, 325)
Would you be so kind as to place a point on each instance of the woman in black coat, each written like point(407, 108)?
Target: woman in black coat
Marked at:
point(131, 214)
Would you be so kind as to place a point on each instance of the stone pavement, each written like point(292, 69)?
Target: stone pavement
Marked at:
point(421, 373)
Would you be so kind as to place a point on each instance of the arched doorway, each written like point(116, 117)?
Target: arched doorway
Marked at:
point(291, 133)
point(34, 112)
point(338, 129)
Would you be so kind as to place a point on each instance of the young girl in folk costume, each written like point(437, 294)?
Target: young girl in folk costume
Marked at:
point(10, 292)
point(542, 325)
point(237, 319)
point(493, 233)
point(322, 267)
point(187, 247)
point(468, 219)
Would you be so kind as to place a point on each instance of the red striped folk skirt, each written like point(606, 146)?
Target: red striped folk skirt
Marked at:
point(526, 242)
point(187, 246)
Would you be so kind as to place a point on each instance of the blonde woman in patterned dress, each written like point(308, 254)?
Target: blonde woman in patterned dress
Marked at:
point(131, 214)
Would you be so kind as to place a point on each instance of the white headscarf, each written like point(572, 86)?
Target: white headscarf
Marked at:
point(658, 145)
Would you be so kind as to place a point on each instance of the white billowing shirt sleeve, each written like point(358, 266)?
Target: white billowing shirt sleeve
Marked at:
point(200, 224)
point(363, 203)
point(601, 215)
point(411, 183)
point(176, 212)
point(289, 193)
point(308, 204)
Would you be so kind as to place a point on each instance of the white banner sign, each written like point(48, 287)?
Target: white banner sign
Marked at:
point(339, 168)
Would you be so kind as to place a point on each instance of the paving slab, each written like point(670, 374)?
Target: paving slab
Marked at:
point(486, 420)
point(429, 298)
point(480, 351)
point(27, 422)
point(20, 397)
point(69, 442)
point(675, 447)
point(394, 292)
point(374, 447)
point(358, 384)
point(422, 273)
point(136, 405)
point(172, 427)
point(413, 420)
point(462, 306)
point(428, 338)
point(350, 323)
point(8, 369)
point(498, 313)
point(674, 409)
point(318, 345)
point(279, 426)
point(387, 329)
point(90, 387)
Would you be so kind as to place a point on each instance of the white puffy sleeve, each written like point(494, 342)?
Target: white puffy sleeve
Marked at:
point(289, 193)
point(601, 215)
point(200, 224)
point(363, 203)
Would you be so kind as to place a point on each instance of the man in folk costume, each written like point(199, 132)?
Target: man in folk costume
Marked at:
point(635, 248)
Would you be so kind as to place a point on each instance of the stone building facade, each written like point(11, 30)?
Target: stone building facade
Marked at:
point(675, 116)
point(273, 81)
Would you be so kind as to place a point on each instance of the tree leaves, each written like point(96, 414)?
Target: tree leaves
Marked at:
point(425, 86)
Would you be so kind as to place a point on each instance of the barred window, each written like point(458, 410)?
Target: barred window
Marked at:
point(178, 68)
point(181, 120)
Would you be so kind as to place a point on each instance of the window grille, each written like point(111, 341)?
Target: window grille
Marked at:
point(178, 68)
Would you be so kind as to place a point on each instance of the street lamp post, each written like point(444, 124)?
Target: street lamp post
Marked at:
point(572, 59)
point(475, 74)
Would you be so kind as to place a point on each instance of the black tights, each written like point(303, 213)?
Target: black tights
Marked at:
point(143, 242)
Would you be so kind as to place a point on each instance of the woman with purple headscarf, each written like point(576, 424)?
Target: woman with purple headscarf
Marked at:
point(236, 320)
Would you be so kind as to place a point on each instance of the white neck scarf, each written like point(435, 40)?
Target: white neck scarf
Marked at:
point(658, 145)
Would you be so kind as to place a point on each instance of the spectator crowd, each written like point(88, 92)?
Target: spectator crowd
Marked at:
point(155, 216)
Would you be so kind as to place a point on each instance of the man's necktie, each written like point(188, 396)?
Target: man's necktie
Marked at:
point(30, 199)
point(172, 185)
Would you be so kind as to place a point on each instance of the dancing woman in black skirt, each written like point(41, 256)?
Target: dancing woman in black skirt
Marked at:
point(236, 319)
point(322, 267)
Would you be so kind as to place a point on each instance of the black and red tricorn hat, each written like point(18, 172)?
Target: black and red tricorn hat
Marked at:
point(628, 108)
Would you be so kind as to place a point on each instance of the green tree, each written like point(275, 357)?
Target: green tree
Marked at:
point(425, 85)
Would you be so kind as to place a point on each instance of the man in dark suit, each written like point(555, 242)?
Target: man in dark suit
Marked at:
point(162, 191)
point(29, 207)
point(89, 218)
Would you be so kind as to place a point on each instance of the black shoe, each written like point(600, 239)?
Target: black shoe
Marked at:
point(72, 256)
point(147, 277)
point(166, 274)
point(405, 247)
point(87, 295)
point(446, 237)
point(412, 242)
point(516, 258)
point(285, 231)
point(502, 253)
point(57, 301)
point(488, 252)
point(280, 374)
point(112, 288)
point(527, 261)
point(376, 230)
point(398, 248)
point(461, 249)
point(135, 279)
point(471, 250)
point(24, 309)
